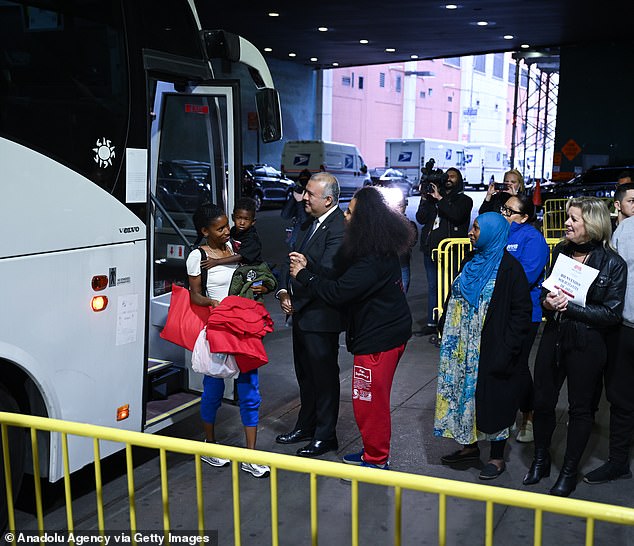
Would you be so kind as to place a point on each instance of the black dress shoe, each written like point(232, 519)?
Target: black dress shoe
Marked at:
point(294, 437)
point(567, 480)
point(461, 456)
point(540, 468)
point(318, 447)
point(565, 484)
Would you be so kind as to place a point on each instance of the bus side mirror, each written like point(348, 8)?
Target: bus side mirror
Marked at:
point(267, 101)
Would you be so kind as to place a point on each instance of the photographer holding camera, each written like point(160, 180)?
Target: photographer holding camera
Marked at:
point(293, 209)
point(444, 211)
point(498, 193)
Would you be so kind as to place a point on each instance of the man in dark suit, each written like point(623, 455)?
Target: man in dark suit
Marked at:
point(316, 326)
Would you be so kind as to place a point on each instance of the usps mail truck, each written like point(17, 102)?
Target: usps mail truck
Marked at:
point(342, 160)
point(410, 155)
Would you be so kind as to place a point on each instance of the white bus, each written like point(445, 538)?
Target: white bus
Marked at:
point(112, 131)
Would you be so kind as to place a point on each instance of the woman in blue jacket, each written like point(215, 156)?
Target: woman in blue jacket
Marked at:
point(528, 246)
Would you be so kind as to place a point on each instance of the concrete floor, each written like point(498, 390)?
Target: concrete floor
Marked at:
point(414, 449)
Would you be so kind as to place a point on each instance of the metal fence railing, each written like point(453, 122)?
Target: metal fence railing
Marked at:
point(449, 256)
point(397, 481)
point(555, 216)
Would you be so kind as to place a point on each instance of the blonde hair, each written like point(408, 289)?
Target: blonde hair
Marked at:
point(519, 177)
point(596, 218)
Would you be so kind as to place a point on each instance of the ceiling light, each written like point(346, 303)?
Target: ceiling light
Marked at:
point(323, 29)
point(482, 23)
point(292, 54)
point(525, 46)
point(364, 41)
point(451, 6)
point(413, 56)
point(508, 36)
point(268, 49)
point(313, 59)
point(390, 50)
point(335, 64)
point(273, 14)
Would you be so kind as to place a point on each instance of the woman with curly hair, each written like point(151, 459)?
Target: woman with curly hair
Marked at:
point(367, 282)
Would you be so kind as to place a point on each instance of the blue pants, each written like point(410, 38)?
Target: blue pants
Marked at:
point(431, 269)
point(248, 398)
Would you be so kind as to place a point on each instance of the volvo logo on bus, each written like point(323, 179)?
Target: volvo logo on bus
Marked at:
point(131, 229)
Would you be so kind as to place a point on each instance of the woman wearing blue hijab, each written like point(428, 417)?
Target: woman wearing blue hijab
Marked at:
point(487, 316)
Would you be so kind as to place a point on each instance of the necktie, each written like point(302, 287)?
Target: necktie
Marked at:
point(309, 234)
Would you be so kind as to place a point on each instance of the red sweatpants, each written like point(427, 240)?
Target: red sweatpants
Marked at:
point(372, 378)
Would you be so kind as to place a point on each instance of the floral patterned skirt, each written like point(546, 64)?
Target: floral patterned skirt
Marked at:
point(458, 369)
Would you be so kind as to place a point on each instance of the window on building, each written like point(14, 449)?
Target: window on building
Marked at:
point(480, 63)
point(497, 107)
point(477, 103)
point(381, 79)
point(453, 61)
point(449, 120)
point(498, 65)
point(360, 82)
point(422, 94)
point(524, 78)
point(345, 81)
point(450, 99)
point(511, 79)
point(429, 92)
point(398, 84)
point(352, 80)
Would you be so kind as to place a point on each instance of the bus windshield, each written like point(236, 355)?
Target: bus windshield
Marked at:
point(63, 74)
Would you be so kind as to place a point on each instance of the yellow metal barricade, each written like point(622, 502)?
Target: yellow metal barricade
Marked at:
point(399, 481)
point(448, 257)
point(555, 216)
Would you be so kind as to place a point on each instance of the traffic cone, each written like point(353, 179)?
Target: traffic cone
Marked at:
point(537, 194)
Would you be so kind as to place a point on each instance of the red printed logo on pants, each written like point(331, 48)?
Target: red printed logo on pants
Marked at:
point(362, 384)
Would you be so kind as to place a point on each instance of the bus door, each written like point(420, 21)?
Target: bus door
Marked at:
point(194, 157)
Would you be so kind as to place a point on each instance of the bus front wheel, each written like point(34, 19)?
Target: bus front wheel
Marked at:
point(17, 452)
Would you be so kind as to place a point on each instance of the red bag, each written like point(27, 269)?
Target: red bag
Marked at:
point(184, 319)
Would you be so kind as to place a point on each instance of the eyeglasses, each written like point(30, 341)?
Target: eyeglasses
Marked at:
point(506, 211)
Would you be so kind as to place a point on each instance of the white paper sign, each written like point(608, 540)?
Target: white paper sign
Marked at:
point(127, 313)
point(135, 175)
point(571, 277)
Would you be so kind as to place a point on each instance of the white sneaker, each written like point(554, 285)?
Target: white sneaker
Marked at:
point(214, 461)
point(525, 435)
point(256, 470)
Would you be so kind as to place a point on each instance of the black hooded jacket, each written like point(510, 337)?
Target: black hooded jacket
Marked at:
point(453, 212)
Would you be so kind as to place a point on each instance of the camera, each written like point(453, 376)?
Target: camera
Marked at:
point(499, 186)
point(439, 180)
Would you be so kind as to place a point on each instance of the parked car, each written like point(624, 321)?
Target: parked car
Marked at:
point(393, 178)
point(178, 189)
point(265, 184)
point(595, 182)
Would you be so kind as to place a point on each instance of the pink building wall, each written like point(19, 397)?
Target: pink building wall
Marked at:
point(368, 116)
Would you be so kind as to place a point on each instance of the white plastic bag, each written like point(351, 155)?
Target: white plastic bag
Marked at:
point(220, 365)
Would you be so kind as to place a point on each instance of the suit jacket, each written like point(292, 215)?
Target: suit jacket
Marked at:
point(312, 314)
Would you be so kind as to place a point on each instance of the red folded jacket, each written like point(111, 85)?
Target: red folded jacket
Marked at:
point(237, 327)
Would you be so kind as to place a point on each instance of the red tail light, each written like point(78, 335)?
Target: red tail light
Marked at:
point(99, 303)
point(99, 282)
